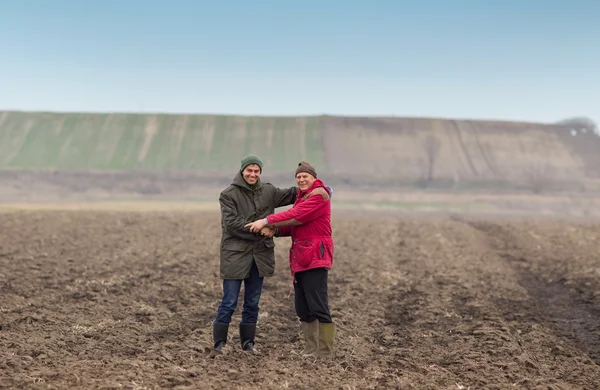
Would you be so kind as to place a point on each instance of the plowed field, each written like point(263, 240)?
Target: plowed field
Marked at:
point(125, 300)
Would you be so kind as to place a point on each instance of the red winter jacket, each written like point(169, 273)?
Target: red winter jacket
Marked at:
point(308, 222)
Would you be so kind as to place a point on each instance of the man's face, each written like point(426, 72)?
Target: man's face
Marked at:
point(304, 180)
point(251, 173)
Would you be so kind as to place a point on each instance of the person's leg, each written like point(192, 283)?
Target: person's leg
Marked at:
point(308, 322)
point(231, 291)
point(300, 302)
point(252, 292)
point(316, 291)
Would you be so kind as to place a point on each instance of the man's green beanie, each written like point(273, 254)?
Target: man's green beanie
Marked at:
point(251, 159)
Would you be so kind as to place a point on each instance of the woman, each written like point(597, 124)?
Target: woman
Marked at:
point(308, 222)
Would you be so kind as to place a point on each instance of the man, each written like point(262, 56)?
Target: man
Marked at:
point(246, 256)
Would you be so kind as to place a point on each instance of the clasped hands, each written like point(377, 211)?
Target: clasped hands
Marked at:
point(261, 226)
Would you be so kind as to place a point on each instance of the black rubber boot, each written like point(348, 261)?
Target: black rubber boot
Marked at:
point(247, 334)
point(220, 330)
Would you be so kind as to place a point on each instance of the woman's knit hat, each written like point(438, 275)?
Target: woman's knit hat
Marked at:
point(303, 166)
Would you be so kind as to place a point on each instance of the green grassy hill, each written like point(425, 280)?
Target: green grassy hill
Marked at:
point(154, 142)
point(351, 149)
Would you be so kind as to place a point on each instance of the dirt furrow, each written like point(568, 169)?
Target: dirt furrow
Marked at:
point(447, 324)
point(471, 317)
point(559, 297)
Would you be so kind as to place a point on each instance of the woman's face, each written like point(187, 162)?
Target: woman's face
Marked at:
point(304, 180)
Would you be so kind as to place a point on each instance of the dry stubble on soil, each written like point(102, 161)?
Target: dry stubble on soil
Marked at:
point(125, 300)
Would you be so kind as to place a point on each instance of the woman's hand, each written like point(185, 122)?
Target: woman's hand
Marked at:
point(267, 232)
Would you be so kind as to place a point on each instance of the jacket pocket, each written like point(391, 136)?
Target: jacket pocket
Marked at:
point(303, 252)
point(235, 246)
point(264, 245)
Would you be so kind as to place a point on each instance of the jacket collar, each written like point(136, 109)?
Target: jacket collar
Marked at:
point(318, 183)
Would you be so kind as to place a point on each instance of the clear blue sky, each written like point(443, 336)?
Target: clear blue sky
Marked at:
point(500, 59)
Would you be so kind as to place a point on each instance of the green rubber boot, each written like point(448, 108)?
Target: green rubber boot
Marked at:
point(310, 330)
point(326, 336)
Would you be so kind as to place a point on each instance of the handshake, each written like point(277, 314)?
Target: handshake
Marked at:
point(260, 226)
point(268, 232)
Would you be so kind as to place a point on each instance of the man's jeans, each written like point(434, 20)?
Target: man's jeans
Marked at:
point(231, 291)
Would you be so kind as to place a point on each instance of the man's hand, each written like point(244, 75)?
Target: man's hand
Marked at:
point(267, 232)
point(257, 226)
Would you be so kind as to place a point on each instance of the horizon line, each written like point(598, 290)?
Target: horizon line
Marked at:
point(319, 115)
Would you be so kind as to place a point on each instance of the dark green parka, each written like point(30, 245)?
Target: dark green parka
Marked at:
point(242, 203)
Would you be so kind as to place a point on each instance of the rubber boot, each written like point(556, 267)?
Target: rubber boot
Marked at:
point(310, 330)
point(247, 334)
point(220, 330)
point(326, 336)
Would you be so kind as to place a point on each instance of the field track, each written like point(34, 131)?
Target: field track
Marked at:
point(107, 300)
